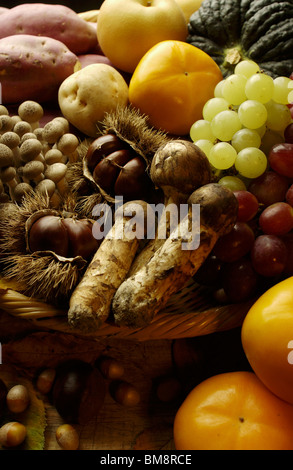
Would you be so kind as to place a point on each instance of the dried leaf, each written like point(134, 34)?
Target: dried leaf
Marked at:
point(33, 418)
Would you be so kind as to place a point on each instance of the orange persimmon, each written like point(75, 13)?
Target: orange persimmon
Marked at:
point(233, 411)
point(171, 84)
point(267, 338)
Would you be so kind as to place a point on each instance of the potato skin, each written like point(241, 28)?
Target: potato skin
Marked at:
point(54, 21)
point(33, 67)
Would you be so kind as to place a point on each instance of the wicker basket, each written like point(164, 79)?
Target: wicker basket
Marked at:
point(189, 313)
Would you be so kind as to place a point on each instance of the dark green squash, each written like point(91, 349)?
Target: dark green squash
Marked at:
point(233, 30)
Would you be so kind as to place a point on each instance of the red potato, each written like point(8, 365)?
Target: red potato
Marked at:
point(54, 21)
point(33, 67)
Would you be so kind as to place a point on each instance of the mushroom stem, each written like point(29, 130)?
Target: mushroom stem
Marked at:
point(141, 296)
point(178, 168)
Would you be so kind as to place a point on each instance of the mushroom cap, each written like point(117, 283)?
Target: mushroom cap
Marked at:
point(53, 130)
point(8, 174)
point(30, 149)
point(6, 124)
point(56, 172)
point(33, 169)
point(46, 186)
point(11, 139)
point(21, 189)
point(218, 206)
point(21, 127)
point(67, 143)
point(53, 156)
point(30, 111)
point(6, 156)
point(3, 110)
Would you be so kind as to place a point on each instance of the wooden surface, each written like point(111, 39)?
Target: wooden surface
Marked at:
point(146, 426)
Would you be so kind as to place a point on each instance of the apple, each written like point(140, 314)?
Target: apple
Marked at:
point(189, 7)
point(127, 29)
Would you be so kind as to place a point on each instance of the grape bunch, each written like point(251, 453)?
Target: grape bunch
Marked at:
point(247, 134)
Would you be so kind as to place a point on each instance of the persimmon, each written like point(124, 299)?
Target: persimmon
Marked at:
point(171, 84)
point(233, 411)
point(267, 338)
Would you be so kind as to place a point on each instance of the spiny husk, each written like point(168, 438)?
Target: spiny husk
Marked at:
point(132, 127)
point(42, 275)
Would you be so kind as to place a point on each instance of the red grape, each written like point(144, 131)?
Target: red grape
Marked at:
point(270, 187)
point(269, 255)
point(239, 280)
point(277, 219)
point(288, 134)
point(289, 195)
point(288, 240)
point(281, 159)
point(235, 244)
point(247, 205)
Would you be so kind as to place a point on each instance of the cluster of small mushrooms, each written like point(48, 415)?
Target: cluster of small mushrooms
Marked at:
point(34, 158)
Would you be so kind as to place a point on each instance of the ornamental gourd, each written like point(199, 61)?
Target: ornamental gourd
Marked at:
point(233, 30)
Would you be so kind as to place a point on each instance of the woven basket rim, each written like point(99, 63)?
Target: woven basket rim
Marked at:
point(186, 315)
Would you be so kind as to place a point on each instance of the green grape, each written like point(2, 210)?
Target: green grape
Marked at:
point(278, 117)
point(280, 94)
point(232, 182)
point(214, 106)
point(259, 87)
point(218, 89)
point(290, 96)
point(247, 68)
point(245, 138)
point(261, 130)
point(205, 145)
point(252, 114)
point(251, 162)
point(233, 89)
point(201, 129)
point(222, 156)
point(225, 124)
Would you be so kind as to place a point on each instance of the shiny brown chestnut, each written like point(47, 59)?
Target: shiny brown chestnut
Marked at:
point(118, 169)
point(78, 392)
point(66, 237)
point(49, 234)
point(101, 147)
point(81, 241)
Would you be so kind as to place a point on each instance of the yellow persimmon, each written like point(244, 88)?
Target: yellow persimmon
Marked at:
point(267, 338)
point(233, 411)
point(171, 84)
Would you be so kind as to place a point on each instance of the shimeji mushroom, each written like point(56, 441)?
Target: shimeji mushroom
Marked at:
point(3, 110)
point(26, 136)
point(48, 187)
point(53, 130)
point(22, 127)
point(33, 171)
point(68, 144)
point(9, 176)
point(21, 190)
point(6, 156)
point(56, 173)
point(53, 156)
point(31, 149)
point(6, 124)
point(32, 112)
point(12, 140)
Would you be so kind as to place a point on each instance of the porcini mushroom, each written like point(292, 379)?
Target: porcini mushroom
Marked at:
point(140, 297)
point(178, 168)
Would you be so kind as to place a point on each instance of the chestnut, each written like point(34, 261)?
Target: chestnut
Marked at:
point(3, 394)
point(108, 169)
point(81, 241)
point(49, 234)
point(78, 392)
point(101, 147)
point(133, 181)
